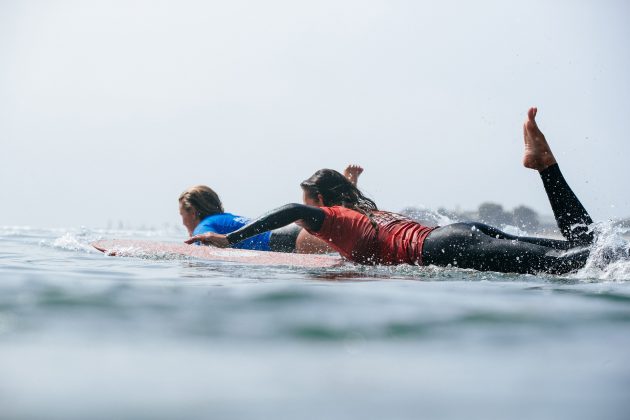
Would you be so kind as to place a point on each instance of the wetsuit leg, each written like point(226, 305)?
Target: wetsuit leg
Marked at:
point(571, 216)
point(464, 245)
point(284, 239)
point(498, 234)
point(482, 247)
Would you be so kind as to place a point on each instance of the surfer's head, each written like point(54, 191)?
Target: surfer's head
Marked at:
point(328, 187)
point(197, 203)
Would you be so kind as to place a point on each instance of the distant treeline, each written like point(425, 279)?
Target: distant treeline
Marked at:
point(521, 217)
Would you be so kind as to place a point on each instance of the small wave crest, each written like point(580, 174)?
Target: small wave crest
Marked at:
point(80, 239)
point(609, 259)
point(73, 241)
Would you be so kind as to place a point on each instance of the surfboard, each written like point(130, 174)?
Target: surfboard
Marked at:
point(171, 250)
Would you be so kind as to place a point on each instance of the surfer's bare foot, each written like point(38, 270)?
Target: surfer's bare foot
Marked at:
point(538, 154)
point(352, 173)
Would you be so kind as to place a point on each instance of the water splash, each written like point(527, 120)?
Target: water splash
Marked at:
point(514, 230)
point(610, 256)
point(81, 239)
point(428, 216)
point(147, 255)
point(73, 241)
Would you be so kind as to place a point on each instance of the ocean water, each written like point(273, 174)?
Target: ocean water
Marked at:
point(89, 336)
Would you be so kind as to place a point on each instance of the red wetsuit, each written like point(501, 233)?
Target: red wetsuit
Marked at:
point(399, 239)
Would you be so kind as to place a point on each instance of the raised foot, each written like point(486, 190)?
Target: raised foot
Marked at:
point(537, 154)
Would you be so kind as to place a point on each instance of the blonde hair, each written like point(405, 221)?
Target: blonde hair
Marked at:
point(201, 199)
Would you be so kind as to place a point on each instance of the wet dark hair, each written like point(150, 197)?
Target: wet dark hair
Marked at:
point(336, 190)
point(202, 199)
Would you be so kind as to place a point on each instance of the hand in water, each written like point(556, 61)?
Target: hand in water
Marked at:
point(352, 173)
point(210, 238)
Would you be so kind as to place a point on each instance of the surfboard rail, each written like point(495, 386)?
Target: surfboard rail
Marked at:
point(170, 250)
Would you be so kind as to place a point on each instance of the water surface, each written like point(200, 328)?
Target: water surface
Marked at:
point(84, 335)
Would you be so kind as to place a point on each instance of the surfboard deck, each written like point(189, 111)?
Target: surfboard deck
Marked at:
point(169, 250)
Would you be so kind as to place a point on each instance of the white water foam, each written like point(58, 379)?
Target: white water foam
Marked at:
point(234, 253)
point(609, 259)
point(147, 255)
point(428, 216)
point(81, 239)
point(73, 240)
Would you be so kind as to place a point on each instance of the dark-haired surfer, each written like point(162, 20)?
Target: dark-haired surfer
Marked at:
point(336, 211)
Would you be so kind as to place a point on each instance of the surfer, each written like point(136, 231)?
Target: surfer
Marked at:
point(336, 211)
point(202, 211)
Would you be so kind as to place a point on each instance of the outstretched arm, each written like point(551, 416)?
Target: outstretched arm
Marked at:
point(309, 217)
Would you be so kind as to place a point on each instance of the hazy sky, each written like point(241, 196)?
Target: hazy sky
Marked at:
point(109, 109)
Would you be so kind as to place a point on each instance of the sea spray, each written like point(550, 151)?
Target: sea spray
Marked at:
point(73, 241)
point(610, 256)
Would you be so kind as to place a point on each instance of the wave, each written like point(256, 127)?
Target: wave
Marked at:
point(80, 239)
point(610, 255)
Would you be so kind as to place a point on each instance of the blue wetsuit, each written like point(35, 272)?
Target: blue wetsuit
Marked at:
point(224, 223)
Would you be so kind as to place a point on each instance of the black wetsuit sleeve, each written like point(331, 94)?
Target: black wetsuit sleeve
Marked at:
point(311, 217)
point(573, 219)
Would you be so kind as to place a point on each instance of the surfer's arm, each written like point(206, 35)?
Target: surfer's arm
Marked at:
point(352, 173)
point(309, 217)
